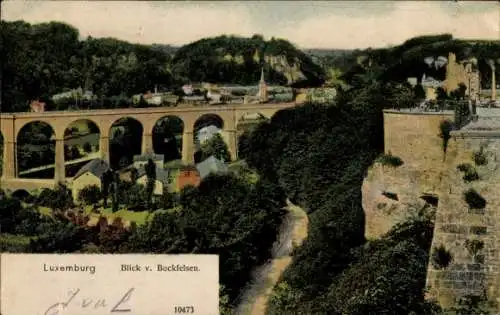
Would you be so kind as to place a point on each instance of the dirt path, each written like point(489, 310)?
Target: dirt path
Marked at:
point(293, 231)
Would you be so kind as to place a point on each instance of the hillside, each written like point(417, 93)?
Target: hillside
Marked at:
point(230, 59)
point(409, 59)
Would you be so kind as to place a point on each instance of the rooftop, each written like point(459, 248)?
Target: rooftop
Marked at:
point(96, 167)
point(145, 157)
point(161, 174)
point(211, 165)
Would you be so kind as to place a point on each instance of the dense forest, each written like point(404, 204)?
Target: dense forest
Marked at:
point(41, 60)
point(319, 155)
point(396, 64)
point(225, 215)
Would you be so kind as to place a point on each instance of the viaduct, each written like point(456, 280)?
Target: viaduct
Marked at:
point(12, 123)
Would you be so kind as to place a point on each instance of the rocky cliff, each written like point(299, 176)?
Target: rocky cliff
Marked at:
point(238, 60)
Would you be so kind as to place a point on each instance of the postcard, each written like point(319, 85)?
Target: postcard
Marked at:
point(249, 157)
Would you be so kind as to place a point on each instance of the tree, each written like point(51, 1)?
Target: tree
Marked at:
point(403, 96)
point(90, 195)
point(87, 147)
point(106, 180)
point(150, 169)
point(59, 199)
point(167, 200)
point(459, 93)
point(217, 147)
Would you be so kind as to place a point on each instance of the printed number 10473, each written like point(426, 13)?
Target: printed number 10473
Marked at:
point(184, 309)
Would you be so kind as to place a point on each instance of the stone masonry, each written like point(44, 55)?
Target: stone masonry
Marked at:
point(457, 226)
point(472, 236)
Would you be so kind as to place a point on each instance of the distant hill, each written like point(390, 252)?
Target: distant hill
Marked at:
point(399, 62)
point(168, 49)
point(409, 59)
point(230, 59)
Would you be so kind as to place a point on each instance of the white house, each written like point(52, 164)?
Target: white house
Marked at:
point(205, 133)
point(211, 165)
point(162, 181)
point(90, 174)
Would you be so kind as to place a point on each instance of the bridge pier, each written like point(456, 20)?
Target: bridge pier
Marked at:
point(9, 160)
point(147, 143)
point(187, 147)
point(60, 169)
point(104, 147)
point(232, 144)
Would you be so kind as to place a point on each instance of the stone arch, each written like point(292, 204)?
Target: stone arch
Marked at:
point(81, 144)
point(125, 141)
point(23, 123)
point(206, 120)
point(21, 194)
point(35, 150)
point(167, 137)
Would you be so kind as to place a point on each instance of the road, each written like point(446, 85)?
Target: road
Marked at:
point(293, 231)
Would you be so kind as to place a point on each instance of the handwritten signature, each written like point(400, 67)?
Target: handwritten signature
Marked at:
point(89, 303)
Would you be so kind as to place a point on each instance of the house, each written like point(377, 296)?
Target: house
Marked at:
point(187, 176)
point(412, 81)
point(430, 86)
point(153, 98)
point(78, 93)
point(162, 181)
point(214, 97)
point(194, 99)
point(211, 165)
point(187, 89)
point(205, 133)
point(90, 174)
point(141, 160)
point(37, 107)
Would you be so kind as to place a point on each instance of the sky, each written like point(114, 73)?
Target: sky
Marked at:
point(314, 24)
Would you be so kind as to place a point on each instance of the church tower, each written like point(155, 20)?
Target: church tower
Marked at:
point(262, 87)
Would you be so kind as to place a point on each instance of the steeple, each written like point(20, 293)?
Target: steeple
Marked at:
point(262, 87)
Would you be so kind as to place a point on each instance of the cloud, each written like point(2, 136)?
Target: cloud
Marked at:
point(138, 22)
point(406, 20)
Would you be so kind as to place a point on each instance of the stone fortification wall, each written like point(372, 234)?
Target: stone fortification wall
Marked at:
point(413, 137)
point(457, 226)
point(471, 236)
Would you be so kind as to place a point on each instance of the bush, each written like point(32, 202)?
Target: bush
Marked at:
point(390, 160)
point(58, 199)
point(167, 200)
point(464, 167)
point(441, 257)
point(474, 246)
point(90, 195)
point(471, 175)
point(479, 157)
point(474, 199)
